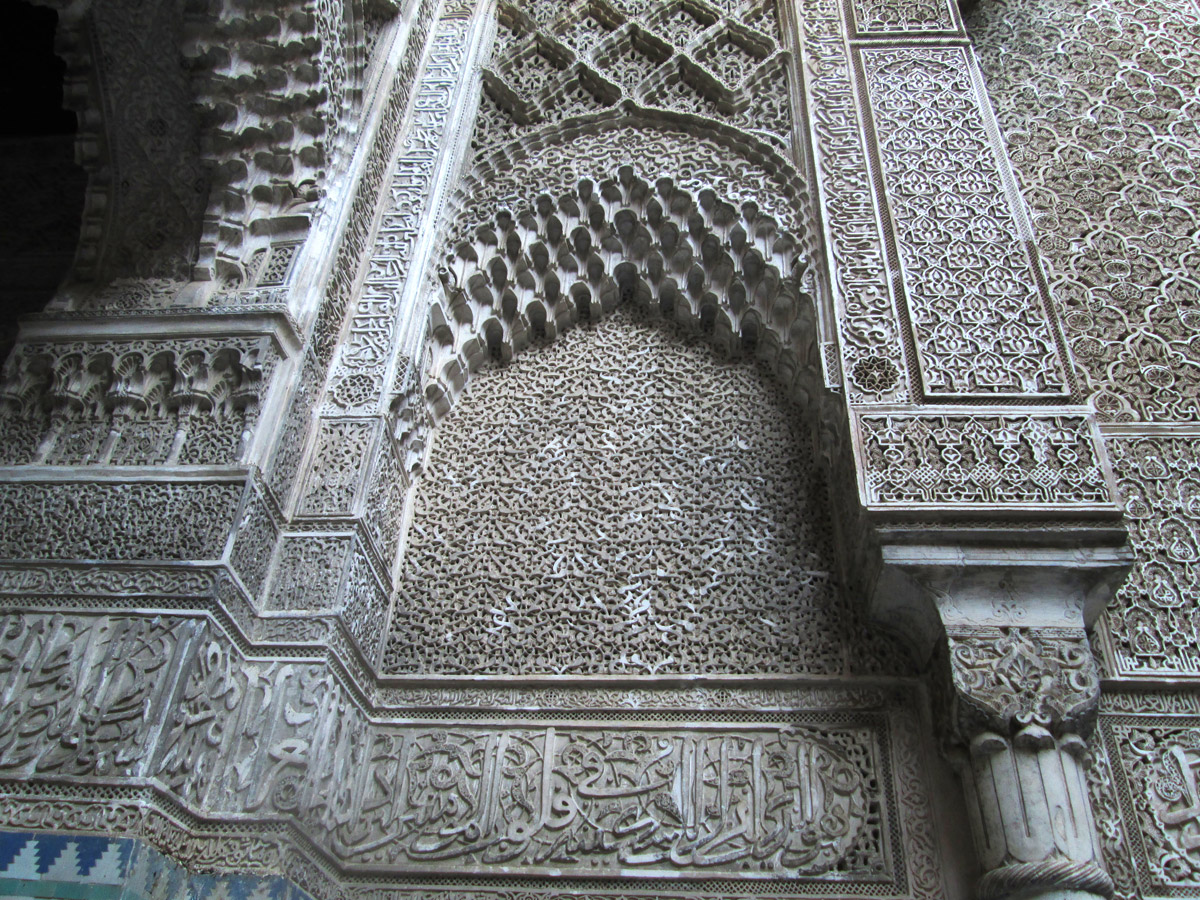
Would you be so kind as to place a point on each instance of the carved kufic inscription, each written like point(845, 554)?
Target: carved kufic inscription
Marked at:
point(977, 310)
point(778, 799)
point(1175, 799)
point(81, 695)
point(357, 382)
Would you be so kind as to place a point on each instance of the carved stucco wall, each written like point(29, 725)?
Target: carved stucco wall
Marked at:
point(625, 501)
point(1100, 106)
point(209, 686)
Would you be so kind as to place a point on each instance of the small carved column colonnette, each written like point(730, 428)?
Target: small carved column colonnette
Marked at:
point(1017, 691)
point(1020, 703)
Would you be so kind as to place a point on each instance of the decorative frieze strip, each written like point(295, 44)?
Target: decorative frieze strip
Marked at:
point(1116, 701)
point(134, 402)
point(873, 340)
point(95, 580)
point(158, 520)
point(872, 17)
point(358, 379)
point(971, 460)
point(564, 798)
point(976, 294)
point(630, 700)
point(800, 791)
point(360, 222)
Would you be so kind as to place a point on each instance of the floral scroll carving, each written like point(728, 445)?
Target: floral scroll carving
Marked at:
point(1151, 628)
point(1096, 100)
point(64, 521)
point(979, 314)
point(582, 513)
point(1011, 678)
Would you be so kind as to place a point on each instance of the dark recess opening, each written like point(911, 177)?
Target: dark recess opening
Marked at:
point(41, 188)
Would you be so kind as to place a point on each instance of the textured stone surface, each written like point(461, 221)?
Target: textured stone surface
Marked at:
point(468, 458)
point(584, 511)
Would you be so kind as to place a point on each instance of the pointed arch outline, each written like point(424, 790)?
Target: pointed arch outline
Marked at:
point(682, 215)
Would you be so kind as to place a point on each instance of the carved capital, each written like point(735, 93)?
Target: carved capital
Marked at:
point(1011, 679)
point(1016, 701)
point(1017, 691)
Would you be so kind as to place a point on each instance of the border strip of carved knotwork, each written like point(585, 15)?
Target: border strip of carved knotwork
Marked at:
point(965, 460)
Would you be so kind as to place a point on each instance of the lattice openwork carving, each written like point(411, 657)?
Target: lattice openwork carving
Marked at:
point(623, 501)
point(1100, 104)
point(553, 62)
